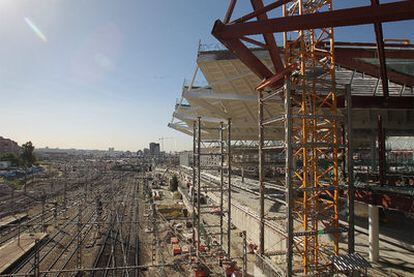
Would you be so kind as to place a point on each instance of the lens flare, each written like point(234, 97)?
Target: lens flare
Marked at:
point(35, 29)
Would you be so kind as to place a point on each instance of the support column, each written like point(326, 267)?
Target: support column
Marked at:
point(373, 152)
point(198, 184)
point(288, 180)
point(261, 175)
point(229, 188)
point(350, 173)
point(221, 182)
point(373, 231)
point(381, 152)
point(194, 182)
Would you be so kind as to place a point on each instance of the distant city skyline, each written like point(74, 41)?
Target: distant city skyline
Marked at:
point(100, 73)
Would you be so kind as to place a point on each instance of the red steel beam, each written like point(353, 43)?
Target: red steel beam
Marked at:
point(262, 10)
point(254, 42)
point(379, 102)
point(229, 12)
point(269, 38)
point(397, 11)
point(381, 53)
point(388, 200)
point(372, 70)
point(370, 44)
point(246, 56)
point(277, 80)
point(368, 53)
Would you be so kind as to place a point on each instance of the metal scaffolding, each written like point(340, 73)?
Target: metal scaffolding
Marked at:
point(211, 155)
point(313, 144)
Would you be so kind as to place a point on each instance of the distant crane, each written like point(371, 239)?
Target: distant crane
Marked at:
point(162, 141)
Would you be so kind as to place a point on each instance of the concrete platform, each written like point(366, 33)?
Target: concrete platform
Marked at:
point(11, 219)
point(13, 251)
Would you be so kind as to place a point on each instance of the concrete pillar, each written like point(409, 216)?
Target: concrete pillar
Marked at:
point(373, 231)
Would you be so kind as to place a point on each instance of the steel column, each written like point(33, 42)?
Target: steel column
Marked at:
point(229, 187)
point(194, 182)
point(261, 173)
point(221, 182)
point(350, 173)
point(381, 53)
point(288, 180)
point(381, 152)
point(198, 183)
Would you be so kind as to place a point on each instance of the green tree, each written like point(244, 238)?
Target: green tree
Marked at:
point(11, 157)
point(174, 183)
point(27, 156)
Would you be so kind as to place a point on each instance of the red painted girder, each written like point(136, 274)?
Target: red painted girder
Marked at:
point(254, 42)
point(387, 200)
point(230, 10)
point(370, 44)
point(371, 53)
point(372, 70)
point(381, 52)
point(277, 80)
point(378, 102)
point(397, 11)
point(246, 56)
point(265, 9)
point(269, 38)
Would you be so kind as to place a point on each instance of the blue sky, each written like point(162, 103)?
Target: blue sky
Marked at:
point(103, 73)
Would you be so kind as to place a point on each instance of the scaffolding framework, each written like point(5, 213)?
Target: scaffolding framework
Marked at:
point(306, 81)
point(211, 155)
point(312, 136)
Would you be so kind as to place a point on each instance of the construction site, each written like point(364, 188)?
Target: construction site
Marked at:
point(302, 162)
point(301, 142)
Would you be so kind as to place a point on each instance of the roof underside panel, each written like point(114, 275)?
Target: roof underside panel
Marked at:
point(231, 90)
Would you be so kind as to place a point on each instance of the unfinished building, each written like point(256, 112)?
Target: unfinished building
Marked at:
point(309, 124)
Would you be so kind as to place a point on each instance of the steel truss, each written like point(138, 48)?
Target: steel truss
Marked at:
point(211, 155)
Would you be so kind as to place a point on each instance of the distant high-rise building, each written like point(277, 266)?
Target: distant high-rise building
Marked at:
point(154, 149)
point(111, 149)
point(8, 146)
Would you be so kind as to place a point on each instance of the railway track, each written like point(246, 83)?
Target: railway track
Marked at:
point(117, 248)
point(59, 254)
point(61, 238)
